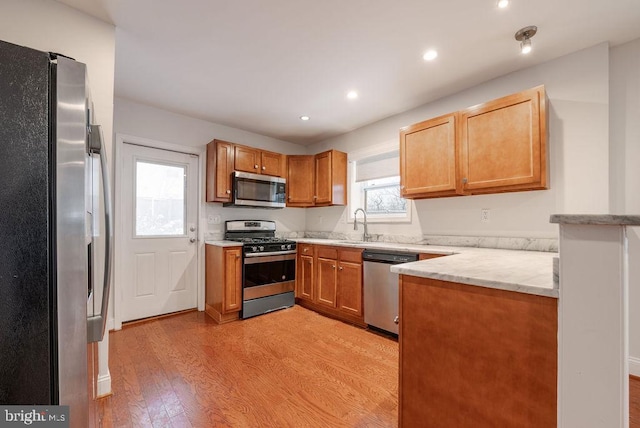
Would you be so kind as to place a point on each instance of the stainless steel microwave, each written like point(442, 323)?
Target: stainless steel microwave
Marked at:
point(256, 190)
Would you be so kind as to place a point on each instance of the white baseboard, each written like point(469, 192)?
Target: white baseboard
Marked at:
point(104, 384)
point(634, 366)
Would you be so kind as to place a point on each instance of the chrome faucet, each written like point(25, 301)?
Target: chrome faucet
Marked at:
point(365, 236)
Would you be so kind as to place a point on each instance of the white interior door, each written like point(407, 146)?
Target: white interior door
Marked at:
point(159, 225)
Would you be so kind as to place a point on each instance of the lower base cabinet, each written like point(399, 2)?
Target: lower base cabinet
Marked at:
point(223, 282)
point(329, 281)
point(476, 357)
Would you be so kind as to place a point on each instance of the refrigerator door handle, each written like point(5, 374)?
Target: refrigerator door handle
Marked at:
point(97, 323)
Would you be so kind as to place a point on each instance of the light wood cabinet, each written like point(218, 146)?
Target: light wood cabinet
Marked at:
point(326, 282)
point(504, 144)
point(220, 160)
point(429, 153)
point(300, 180)
point(331, 178)
point(498, 146)
point(320, 180)
point(329, 281)
point(350, 288)
point(490, 349)
point(249, 159)
point(223, 282)
point(305, 275)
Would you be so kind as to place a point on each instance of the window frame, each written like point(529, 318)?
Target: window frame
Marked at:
point(356, 190)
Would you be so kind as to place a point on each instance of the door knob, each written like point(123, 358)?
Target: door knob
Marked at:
point(192, 240)
point(192, 229)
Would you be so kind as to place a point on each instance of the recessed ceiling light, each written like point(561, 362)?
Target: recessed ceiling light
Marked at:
point(503, 3)
point(305, 118)
point(430, 55)
point(352, 95)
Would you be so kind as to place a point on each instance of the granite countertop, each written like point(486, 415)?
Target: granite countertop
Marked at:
point(528, 272)
point(597, 219)
point(224, 243)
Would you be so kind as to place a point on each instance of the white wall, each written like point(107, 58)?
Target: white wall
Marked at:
point(578, 91)
point(625, 173)
point(160, 125)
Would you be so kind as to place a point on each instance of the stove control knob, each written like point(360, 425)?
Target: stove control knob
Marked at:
point(288, 246)
point(254, 249)
point(283, 247)
point(261, 248)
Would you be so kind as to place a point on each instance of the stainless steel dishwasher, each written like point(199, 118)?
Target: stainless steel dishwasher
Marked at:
point(381, 287)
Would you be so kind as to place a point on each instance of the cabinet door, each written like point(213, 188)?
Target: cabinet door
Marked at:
point(247, 159)
point(232, 280)
point(323, 179)
point(350, 288)
point(272, 164)
point(504, 144)
point(219, 169)
point(326, 282)
point(300, 180)
point(429, 158)
point(305, 277)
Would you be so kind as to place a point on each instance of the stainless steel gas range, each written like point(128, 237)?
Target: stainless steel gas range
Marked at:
point(268, 266)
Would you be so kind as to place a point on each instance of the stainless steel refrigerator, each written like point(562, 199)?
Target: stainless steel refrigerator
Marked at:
point(49, 150)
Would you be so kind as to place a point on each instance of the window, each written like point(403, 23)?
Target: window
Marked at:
point(160, 199)
point(375, 187)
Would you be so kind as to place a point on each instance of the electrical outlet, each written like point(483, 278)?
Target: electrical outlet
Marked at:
point(213, 219)
point(485, 215)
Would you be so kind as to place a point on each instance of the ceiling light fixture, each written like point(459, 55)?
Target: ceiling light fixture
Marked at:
point(352, 95)
point(503, 3)
point(430, 55)
point(305, 118)
point(524, 36)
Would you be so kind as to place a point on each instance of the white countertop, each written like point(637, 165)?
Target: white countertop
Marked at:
point(596, 219)
point(224, 243)
point(528, 272)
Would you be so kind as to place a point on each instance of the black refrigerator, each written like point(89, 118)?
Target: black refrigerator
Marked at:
point(49, 154)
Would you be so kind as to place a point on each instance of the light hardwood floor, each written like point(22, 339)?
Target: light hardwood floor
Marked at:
point(292, 368)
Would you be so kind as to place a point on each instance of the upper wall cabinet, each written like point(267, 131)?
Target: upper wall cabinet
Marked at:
point(300, 180)
point(220, 162)
point(429, 153)
point(498, 146)
point(315, 181)
point(248, 159)
point(504, 144)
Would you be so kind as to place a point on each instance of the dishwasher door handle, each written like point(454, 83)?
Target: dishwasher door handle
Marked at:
point(396, 320)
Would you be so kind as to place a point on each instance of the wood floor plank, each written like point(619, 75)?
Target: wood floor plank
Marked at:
point(290, 368)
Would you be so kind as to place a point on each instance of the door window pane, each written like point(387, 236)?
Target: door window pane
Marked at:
point(160, 199)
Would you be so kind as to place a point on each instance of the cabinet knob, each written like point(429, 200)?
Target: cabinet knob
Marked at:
point(305, 250)
point(256, 166)
point(264, 167)
point(464, 180)
point(396, 320)
point(228, 191)
point(333, 267)
point(340, 268)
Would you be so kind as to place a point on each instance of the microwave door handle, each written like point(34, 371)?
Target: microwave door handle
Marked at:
point(97, 323)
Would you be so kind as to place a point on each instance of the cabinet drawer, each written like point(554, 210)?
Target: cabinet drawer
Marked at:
point(327, 252)
point(354, 256)
point(305, 249)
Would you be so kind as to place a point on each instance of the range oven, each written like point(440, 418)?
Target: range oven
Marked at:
point(268, 266)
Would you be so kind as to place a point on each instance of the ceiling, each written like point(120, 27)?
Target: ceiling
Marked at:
point(259, 65)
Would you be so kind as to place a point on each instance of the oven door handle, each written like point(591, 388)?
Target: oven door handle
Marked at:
point(272, 253)
point(276, 257)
